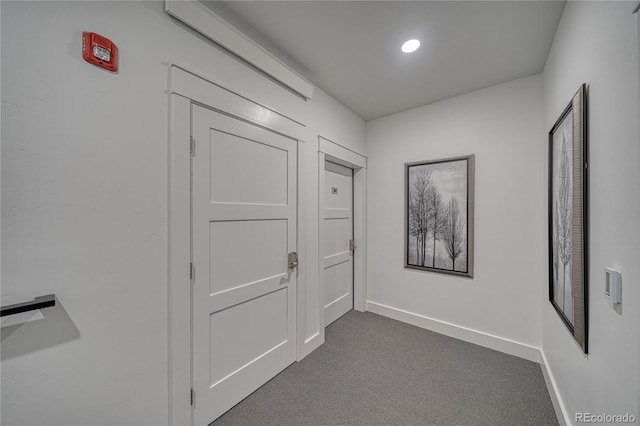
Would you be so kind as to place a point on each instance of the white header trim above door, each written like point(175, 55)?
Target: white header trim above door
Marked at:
point(341, 155)
point(203, 91)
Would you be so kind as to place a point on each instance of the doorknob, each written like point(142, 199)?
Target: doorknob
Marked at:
point(293, 260)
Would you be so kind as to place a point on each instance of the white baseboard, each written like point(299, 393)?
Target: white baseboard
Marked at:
point(490, 341)
point(558, 405)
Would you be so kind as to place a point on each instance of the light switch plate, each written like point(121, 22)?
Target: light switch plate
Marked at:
point(613, 285)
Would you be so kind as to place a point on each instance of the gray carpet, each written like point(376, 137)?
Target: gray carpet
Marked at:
point(374, 370)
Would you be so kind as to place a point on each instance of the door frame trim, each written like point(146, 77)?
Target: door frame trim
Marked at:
point(185, 89)
point(179, 261)
point(336, 153)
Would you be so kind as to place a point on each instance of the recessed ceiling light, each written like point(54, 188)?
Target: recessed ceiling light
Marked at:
point(410, 46)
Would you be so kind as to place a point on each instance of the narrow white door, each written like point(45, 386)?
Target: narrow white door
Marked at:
point(243, 225)
point(337, 234)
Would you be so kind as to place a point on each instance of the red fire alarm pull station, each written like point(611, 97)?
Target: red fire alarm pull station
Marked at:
point(100, 51)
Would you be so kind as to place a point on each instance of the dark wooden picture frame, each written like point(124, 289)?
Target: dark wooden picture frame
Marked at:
point(568, 218)
point(438, 228)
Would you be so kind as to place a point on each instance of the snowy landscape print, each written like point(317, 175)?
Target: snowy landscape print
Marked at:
point(561, 210)
point(437, 215)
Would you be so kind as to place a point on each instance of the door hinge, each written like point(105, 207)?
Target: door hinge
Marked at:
point(192, 146)
point(192, 272)
point(352, 245)
point(193, 396)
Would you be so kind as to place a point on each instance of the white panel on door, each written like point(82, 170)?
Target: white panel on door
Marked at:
point(337, 231)
point(247, 171)
point(334, 233)
point(338, 187)
point(341, 287)
point(243, 226)
point(231, 253)
point(234, 347)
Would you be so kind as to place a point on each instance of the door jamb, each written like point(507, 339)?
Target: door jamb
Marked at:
point(179, 261)
point(332, 151)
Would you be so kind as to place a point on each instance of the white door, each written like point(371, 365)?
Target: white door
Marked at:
point(337, 234)
point(243, 225)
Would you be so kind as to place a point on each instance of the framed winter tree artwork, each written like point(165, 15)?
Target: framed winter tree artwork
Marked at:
point(439, 215)
point(568, 288)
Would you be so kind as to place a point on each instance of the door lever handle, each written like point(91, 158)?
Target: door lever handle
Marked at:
point(293, 260)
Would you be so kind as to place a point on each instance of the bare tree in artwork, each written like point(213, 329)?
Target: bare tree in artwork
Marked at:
point(453, 231)
point(437, 218)
point(430, 185)
point(419, 212)
point(563, 229)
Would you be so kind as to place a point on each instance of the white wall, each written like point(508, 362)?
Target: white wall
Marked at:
point(502, 126)
point(333, 121)
point(596, 43)
point(84, 206)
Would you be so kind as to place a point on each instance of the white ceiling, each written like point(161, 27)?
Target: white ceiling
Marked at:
point(351, 49)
